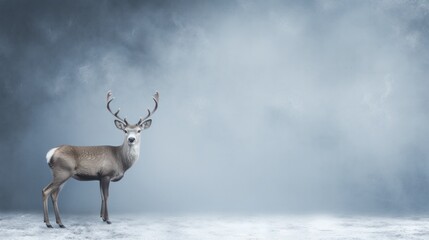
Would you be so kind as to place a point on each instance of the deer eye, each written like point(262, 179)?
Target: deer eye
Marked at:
point(139, 131)
point(125, 131)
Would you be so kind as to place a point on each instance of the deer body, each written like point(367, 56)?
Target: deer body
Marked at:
point(102, 163)
point(95, 162)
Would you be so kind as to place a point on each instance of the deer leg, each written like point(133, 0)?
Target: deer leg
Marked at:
point(54, 197)
point(105, 189)
point(102, 201)
point(59, 178)
point(46, 192)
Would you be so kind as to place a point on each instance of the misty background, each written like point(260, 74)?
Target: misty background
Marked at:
point(265, 106)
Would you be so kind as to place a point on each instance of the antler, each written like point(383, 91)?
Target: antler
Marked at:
point(149, 113)
point(109, 100)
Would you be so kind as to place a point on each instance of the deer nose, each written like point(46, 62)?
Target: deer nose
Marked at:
point(131, 139)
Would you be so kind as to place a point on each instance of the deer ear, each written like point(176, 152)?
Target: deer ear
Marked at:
point(120, 125)
point(146, 124)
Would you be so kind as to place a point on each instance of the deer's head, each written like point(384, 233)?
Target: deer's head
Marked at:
point(132, 131)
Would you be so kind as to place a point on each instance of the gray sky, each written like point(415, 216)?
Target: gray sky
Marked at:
point(265, 106)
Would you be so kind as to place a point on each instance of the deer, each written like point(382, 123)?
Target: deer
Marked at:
point(100, 163)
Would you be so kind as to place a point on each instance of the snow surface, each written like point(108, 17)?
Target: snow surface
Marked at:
point(31, 226)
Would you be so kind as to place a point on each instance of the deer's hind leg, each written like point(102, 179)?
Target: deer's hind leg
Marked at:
point(54, 197)
point(46, 192)
point(53, 190)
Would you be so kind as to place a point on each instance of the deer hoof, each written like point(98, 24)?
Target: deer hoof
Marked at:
point(108, 222)
point(62, 226)
point(49, 225)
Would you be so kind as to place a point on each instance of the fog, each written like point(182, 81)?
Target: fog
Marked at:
point(265, 106)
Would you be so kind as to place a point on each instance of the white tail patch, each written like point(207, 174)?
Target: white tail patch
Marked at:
point(49, 154)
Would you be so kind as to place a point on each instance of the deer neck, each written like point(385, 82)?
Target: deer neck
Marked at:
point(129, 154)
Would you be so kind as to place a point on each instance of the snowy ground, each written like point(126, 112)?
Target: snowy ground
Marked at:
point(31, 226)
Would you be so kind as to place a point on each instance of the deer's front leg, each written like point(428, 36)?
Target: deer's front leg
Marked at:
point(104, 183)
point(102, 201)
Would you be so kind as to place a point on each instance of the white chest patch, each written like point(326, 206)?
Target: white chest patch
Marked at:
point(133, 154)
